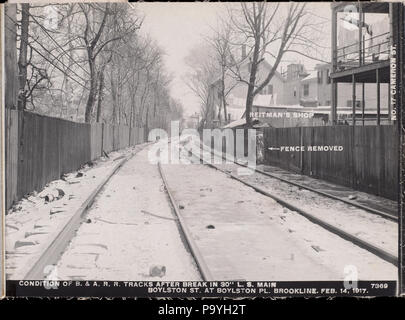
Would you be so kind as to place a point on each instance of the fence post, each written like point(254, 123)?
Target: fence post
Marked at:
point(353, 159)
point(301, 152)
point(102, 139)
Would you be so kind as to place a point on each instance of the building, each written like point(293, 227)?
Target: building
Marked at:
point(309, 90)
point(361, 42)
point(292, 92)
point(279, 103)
point(321, 92)
point(271, 95)
point(331, 87)
point(309, 93)
point(192, 121)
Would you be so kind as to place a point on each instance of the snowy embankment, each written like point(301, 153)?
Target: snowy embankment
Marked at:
point(245, 235)
point(131, 234)
point(369, 227)
point(34, 222)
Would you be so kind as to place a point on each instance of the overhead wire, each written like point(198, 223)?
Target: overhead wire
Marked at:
point(53, 40)
point(48, 60)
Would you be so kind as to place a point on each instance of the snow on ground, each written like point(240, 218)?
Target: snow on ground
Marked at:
point(245, 235)
point(32, 223)
point(369, 227)
point(373, 201)
point(366, 226)
point(130, 230)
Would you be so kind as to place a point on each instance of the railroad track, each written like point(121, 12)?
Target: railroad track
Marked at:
point(195, 252)
point(385, 215)
point(53, 252)
point(377, 251)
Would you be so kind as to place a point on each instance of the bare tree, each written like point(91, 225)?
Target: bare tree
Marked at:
point(221, 44)
point(271, 29)
point(22, 58)
point(91, 59)
point(200, 80)
point(96, 37)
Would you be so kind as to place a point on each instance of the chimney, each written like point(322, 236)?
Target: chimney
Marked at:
point(296, 71)
point(243, 51)
point(291, 70)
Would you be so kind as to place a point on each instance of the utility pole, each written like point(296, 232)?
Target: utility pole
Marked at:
point(10, 56)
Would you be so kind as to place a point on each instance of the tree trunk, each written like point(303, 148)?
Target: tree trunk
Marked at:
point(119, 97)
point(68, 84)
point(225, 111)
point(113, 97)
point(100, 94)
point(252, 81)
point(22, 60)
point(92, 93)
point(143, 101)
point(131, 115)
point(11, 80)
point(134, 105)
point(146, 121)
point(249, 104)
point(224, 98)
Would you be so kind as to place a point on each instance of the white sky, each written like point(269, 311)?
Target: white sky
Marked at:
point(178, 27)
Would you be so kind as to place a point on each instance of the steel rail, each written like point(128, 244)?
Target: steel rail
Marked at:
point(381, 253)
point(325, 194)
point(198, 258)
point(52, 253)
point(328, 195)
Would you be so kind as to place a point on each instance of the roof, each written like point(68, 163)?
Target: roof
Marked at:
point(263, 99)
point(263, 62)
point(372, 7)
point(260, 100)
point(369, 111)
point(241, 123)
point(269, 66)
point(281, 106)
point(312, 76)
point(236, 123)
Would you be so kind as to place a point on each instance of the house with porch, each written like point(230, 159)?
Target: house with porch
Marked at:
point(360, 72)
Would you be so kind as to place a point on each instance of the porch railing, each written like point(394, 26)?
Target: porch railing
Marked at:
point(372, 50)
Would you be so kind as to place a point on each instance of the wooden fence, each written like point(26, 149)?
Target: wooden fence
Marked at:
point(40, 149)
point(368, 161)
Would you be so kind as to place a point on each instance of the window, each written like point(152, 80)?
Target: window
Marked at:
point(295, 92)
point(349, 104)
point(270, 89)
point(267, 89)
point(319, 77)
point(327, 77)
point(306, 89)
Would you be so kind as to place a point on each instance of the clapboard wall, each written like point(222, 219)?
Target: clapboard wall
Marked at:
point(40, 149)
point(368, 162)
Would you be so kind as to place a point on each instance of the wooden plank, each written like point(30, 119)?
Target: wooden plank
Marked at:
point(368, 162)
point(11, 155)
point(8, 164)
point(95, 140)
point(23, 180)
point(378, 96)
point(39, 149)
